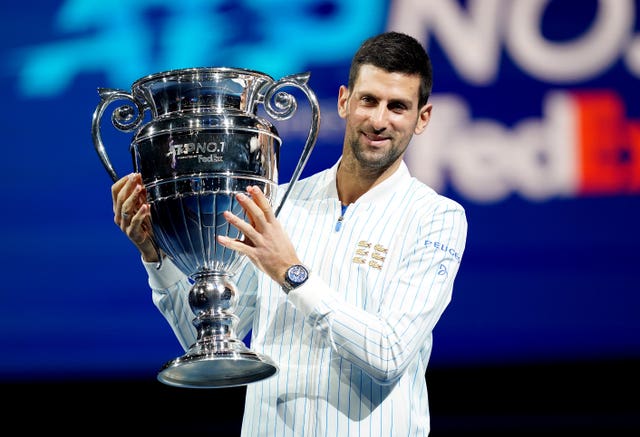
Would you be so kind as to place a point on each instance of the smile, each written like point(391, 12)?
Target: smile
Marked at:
point(375, 139)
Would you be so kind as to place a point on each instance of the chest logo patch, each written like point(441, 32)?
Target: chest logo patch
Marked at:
point(370, 254)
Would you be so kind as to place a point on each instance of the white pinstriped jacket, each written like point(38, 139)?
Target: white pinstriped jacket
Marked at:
point(352, 344)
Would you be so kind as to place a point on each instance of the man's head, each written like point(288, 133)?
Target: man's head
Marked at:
point(395, 52)
point(385, 103)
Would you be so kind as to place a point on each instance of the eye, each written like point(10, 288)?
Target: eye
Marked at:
point(368, 100)
point(397, 107)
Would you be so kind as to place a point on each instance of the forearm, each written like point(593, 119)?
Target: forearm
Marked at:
point(382, 344)
point(380, 322)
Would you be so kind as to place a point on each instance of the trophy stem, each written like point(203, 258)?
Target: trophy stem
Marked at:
point(217, 358)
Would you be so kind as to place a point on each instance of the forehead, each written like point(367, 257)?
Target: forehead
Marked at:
point(389, 85)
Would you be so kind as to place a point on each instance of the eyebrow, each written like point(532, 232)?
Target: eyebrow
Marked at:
point(406, 102)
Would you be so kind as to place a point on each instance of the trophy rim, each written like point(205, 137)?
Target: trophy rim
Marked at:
point(191, 71)
point(175, 122)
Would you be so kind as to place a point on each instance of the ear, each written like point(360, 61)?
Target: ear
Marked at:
point(343, 96)
point(423, 118)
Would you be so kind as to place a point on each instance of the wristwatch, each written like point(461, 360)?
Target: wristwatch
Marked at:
point(295, 276)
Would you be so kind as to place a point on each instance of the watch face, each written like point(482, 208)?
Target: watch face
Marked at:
point(297, 274)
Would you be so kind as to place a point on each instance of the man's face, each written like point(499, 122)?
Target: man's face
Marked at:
point(382, 115)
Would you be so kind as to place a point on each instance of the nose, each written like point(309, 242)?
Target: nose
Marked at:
point(379, 117)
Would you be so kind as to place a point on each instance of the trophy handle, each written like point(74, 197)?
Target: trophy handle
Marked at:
point(125, 118)
point(281, 106)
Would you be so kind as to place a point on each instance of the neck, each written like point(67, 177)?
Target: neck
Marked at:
point(352, 181)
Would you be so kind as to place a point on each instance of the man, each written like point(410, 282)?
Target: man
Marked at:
point(378, 252)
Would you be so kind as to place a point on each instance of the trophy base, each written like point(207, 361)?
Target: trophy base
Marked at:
point(208, 367)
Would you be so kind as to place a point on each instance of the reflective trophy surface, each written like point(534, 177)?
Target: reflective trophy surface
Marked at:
point(197, 142)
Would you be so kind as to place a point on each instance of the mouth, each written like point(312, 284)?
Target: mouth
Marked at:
point(374, 139)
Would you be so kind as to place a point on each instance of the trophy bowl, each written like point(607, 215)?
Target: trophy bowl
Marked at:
point(197, 142)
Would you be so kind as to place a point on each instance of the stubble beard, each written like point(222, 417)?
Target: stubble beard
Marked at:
point(375, 163)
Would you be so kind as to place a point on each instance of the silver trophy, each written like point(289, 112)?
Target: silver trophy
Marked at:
point(197, 142)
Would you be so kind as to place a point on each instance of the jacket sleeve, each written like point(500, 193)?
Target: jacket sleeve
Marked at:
point(170, 294)
point(384, 343)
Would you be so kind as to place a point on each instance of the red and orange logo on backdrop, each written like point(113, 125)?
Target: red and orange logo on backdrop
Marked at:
point(608, 145)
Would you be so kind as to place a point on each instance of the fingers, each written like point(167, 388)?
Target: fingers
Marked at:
point(116, 188)
point(249, 232)
point(265, 241)
point(127, 195)
point(135, 217)
point(261, 201)
point(132, 214)
point(257, 206)
point(245, 245)
point(233, 244)
point(259, 215)
point(131, 203)
point(130, 210)
point(139, 228)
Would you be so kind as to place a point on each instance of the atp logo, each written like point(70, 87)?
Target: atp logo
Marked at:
point(130, 39)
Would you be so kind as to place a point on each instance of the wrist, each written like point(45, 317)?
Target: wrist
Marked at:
point(295, 276)
point(149, 252)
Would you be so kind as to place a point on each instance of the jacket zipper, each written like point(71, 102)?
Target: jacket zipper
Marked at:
point(341, 218)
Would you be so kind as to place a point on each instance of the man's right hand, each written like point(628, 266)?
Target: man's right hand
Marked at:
point(132, 214)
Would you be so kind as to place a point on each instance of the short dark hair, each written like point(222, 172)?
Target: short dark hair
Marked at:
point(395, 52)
